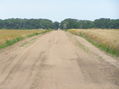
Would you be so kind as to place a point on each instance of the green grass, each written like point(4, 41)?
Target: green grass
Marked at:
point(11, 42)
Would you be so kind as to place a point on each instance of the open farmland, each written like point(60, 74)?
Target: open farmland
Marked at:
point(106, 39)
point(8, 37)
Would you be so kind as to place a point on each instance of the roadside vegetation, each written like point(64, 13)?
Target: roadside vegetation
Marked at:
point(9, 37)
point(107, 40)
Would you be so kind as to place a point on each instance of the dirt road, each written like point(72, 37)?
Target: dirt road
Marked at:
point(57, 60)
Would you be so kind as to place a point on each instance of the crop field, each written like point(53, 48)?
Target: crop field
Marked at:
point(107, 40)
point(8, 37)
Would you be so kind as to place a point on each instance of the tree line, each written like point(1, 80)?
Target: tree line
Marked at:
point(85, 24)
point(65, 24)
point(28, 24)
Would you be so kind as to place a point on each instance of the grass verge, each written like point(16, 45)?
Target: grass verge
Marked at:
point(104, 47)
point(13, 41)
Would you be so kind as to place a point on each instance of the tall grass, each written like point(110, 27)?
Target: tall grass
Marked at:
point(10, 37)
point(107, 40)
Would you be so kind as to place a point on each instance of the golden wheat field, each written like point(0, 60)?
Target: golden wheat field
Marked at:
point(12, 34)
point(107, 37)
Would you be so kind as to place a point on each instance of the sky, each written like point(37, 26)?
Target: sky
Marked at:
point(58, 10)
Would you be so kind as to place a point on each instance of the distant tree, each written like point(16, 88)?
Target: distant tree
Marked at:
point(84, 24)
point(114, 24)
point(69, 24)
point(1, 24)
point(56, 25)
point(74, 23)
point(102, 23)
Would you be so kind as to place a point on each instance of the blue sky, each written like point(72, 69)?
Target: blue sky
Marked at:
point(58, 10)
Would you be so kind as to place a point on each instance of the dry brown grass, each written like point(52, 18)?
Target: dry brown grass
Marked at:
point(105, 37)
point(12, 34)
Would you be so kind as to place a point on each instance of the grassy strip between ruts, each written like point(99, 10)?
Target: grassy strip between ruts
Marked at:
point(13, 41)
point(106, 48)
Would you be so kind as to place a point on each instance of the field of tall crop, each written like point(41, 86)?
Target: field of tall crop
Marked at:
point(105, 39)
point(8, 37)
